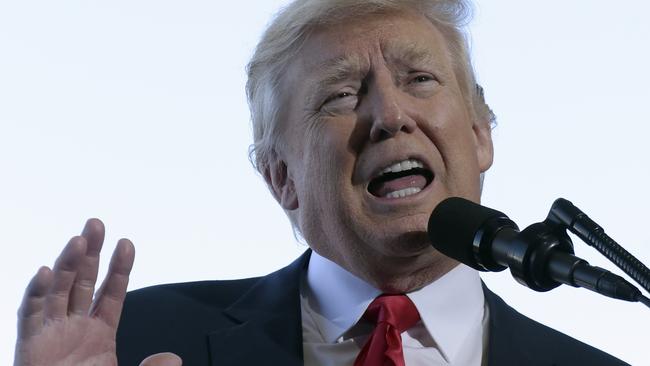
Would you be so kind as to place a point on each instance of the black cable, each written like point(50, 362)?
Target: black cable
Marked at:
point(644, 300)
point(568, 216)
point(597, 238)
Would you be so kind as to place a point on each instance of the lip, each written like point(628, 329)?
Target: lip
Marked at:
point(403, 201)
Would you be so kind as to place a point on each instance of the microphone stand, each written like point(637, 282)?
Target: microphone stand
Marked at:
point(565, 216)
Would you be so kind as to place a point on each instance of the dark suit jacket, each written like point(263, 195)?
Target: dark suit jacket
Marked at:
point(257, 321)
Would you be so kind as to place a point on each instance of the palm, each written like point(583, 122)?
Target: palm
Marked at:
point(79, 340)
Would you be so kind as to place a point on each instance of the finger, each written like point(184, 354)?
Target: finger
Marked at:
point(162, 359)
point(110, 296)
point(64, 272)
point(81, 295)
point(30, 313)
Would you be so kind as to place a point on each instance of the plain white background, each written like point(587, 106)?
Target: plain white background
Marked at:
point(135, 112)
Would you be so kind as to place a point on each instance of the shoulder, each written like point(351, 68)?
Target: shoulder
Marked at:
point(215, 294)
point(178, 302)
point(513, 335)
point(175, 318)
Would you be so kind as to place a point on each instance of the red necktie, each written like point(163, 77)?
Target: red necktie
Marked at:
point(393, 314)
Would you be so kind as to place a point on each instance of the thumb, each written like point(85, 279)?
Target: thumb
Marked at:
point(162, 359)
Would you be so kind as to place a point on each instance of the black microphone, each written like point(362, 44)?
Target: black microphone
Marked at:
point(539, 257)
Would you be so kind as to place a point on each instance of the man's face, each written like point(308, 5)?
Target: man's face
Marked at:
point(376, 133)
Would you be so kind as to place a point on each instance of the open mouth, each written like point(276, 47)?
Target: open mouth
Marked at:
point(402, 179)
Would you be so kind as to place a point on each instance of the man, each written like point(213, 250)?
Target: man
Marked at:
point(366, 115)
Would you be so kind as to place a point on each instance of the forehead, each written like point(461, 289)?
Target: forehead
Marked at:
point(397, 37)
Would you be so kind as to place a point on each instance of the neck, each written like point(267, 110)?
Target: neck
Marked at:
point(413, 278)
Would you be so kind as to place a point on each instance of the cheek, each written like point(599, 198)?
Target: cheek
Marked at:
point(327, 164)
point(329, 149)
point(452, 134)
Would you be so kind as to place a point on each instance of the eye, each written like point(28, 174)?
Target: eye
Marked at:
point(344, 101)
point(422, 84)
point(338, 96)
point(422, 78)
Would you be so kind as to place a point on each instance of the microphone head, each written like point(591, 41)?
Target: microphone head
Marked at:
point(457, 227)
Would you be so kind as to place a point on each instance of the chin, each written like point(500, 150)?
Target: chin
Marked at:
point(400, 235)
point(405, 245)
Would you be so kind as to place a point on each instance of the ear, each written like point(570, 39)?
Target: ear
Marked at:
point(484, 147)
point(280, 183)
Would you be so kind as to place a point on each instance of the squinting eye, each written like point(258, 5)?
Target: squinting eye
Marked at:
point(422, 79)
point(341, 95)
point(340, 102)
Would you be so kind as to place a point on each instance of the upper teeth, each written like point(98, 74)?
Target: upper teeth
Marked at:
point(403, 165)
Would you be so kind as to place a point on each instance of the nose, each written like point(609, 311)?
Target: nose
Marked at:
point(387, 113)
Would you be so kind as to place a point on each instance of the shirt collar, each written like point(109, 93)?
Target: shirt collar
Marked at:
point(449, 307)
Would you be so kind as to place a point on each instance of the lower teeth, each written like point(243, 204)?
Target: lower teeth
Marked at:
point(404, 192)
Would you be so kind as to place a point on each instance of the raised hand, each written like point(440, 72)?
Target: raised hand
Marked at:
point(61, 323)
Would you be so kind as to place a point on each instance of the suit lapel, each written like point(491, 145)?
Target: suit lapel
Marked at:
point(503, 348)
point(509, 336)
point(266, 322)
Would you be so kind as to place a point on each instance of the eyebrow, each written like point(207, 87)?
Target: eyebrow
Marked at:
point(334, 71)
point(338, 69)
point(410, 54)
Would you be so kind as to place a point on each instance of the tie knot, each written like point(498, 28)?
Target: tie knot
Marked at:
point(396, 310)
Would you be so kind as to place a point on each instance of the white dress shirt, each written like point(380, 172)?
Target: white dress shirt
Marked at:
point(452, 330)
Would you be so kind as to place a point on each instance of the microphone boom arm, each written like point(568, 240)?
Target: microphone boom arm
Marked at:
point(564, 214)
